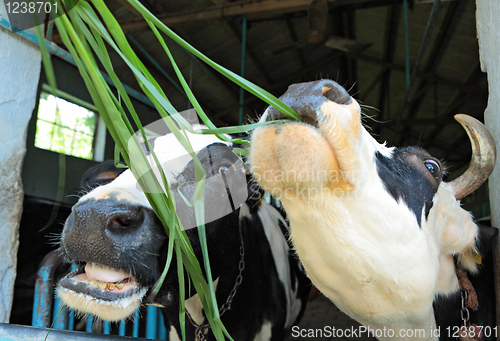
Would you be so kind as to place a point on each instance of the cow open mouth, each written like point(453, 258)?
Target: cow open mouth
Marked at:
point(97, 289)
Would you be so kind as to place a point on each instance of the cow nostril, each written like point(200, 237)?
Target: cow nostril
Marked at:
point(126, 222)
point(335, 93)
point(121, 222)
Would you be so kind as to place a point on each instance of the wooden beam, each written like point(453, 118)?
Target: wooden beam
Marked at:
point(248, 8)
point(373, 84)
point(353, 62)
point(442, 40)
point(391, 33)
point(457, 101)
point(251, 53)
point(295, 39)
point(283, 82)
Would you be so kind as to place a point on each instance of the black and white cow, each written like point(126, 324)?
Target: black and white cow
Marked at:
point(120, 247)
point(375, 227)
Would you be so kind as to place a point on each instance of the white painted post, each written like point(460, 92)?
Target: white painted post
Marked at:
point(488, 31)
point(20, 64)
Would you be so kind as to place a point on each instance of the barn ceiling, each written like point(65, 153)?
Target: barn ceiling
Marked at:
point(363, 49)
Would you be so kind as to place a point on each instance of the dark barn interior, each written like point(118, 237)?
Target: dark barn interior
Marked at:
point(408, 99)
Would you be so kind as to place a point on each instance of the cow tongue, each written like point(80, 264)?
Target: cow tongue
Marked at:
point(104, 273)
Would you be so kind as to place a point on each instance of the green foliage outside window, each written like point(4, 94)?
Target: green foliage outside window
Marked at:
point(65, 127)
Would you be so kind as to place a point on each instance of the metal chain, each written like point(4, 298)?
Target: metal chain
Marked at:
point(241, 266)
point(202, 330)
point(464, 313)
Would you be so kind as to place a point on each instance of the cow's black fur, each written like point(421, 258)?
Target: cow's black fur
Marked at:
point(406, 177)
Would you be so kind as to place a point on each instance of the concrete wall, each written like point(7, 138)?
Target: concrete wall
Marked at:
point(19, 73)
point(488, 30)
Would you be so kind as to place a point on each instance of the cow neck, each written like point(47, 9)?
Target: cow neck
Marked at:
point(202, 330)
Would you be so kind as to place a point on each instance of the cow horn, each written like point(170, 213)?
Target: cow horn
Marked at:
point(483, 157)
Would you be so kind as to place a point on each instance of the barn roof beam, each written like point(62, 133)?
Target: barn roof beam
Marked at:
point(295, 38)
point(248, 8)
point(250, 52)
point(456, 103)
point(470, 88)
point(391, 29)
point(353, 62)
point(450, 22)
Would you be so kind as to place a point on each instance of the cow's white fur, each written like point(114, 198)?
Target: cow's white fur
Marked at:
point(265, 332)
point(360, 247)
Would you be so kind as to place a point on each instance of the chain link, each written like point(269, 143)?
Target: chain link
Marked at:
point(464, 313)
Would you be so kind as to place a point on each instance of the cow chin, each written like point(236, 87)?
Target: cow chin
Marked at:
point(318, 154)
point(107, 293)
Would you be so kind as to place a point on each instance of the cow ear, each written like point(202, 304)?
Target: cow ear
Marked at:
point(101, 174)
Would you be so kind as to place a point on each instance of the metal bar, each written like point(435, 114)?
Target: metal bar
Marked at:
point(122, 329)
point(65, 127)
point(71, 322)
point(89, 324)
point(151, 322)
point(135, 331)
point(162, 331)
point(12, 332)
point(60, 315)
point(42, 302)
point(106, 328)
point(242, 71)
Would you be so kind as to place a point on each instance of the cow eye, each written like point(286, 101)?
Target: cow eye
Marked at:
point(433, 167)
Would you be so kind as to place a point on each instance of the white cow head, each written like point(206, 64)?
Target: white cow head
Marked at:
point(375, 226)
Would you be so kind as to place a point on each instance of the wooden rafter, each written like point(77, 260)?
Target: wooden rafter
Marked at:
point(295, 38)
point(249, 8)
point(353, 62)
point(455, 104)
point(392, 25)
point(250, 52)
point(450, 21)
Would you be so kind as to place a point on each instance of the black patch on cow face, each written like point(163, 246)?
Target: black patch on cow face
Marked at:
point(100, 175)
point(411, 174)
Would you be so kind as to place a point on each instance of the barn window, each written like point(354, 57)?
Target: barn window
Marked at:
point(69, 128)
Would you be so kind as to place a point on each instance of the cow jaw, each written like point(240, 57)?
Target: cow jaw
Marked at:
point(96, 289)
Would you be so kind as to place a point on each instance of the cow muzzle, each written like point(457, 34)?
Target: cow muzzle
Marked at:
point(319, 152)
point(112, 243)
